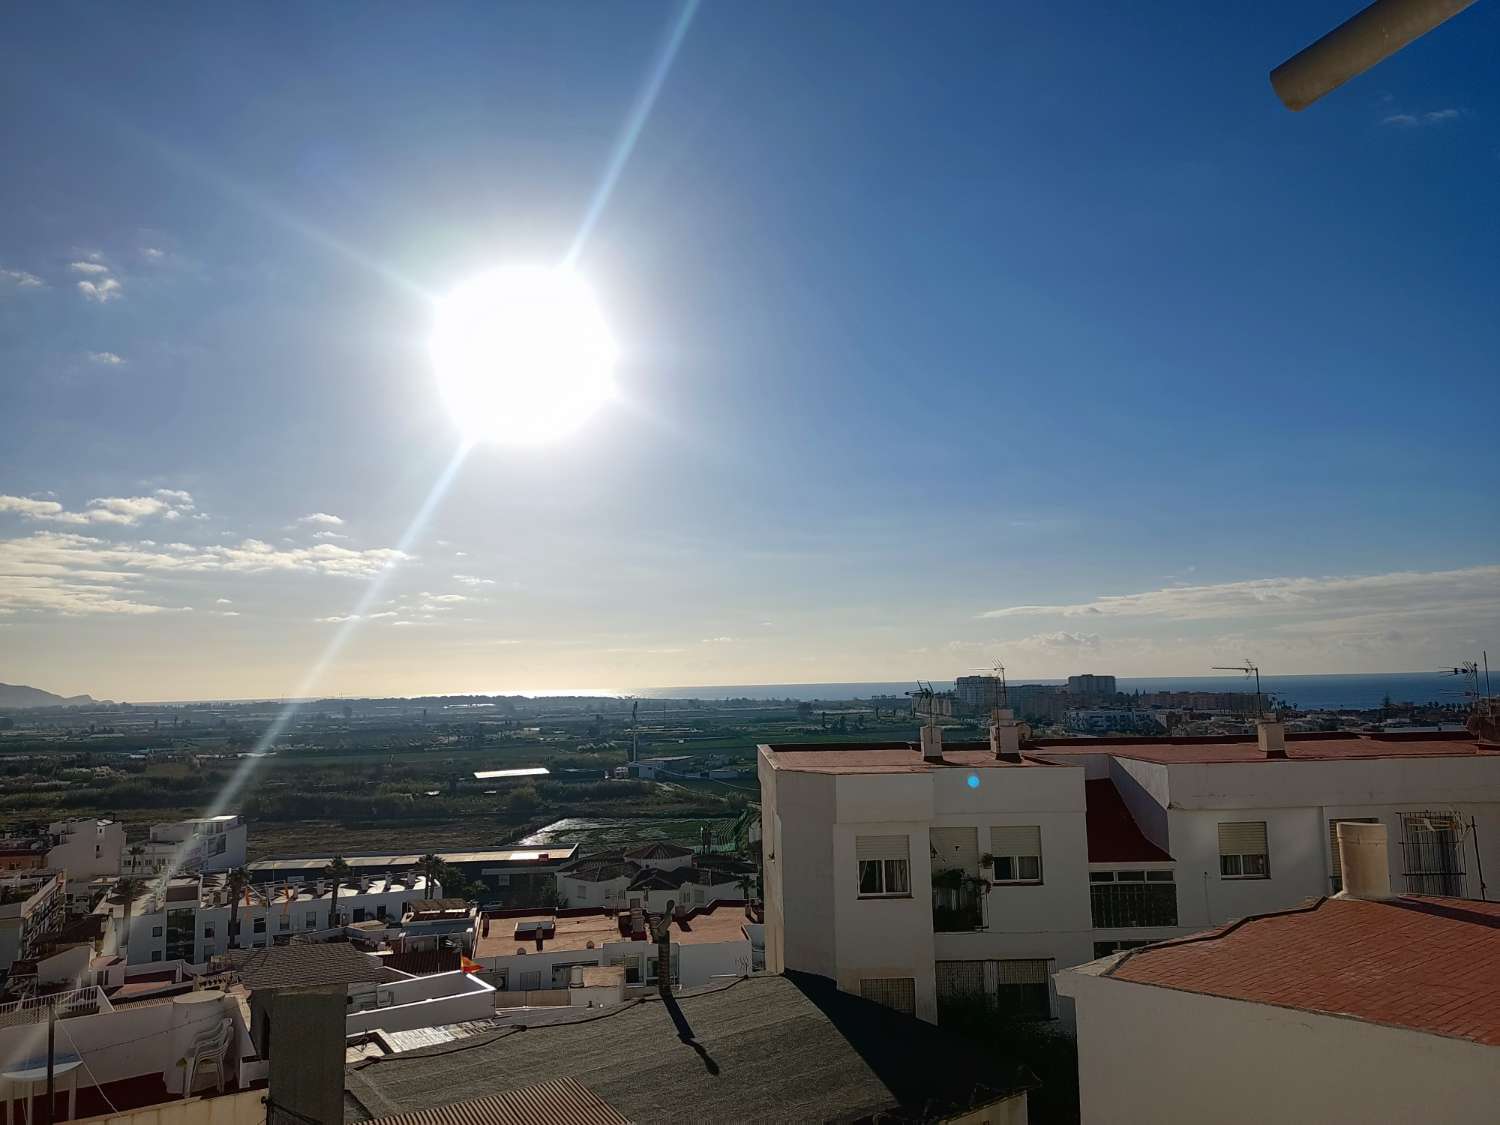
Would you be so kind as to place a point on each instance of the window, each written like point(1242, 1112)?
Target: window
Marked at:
point(884, 866)
point(1017, 852)
point(208, 933)
point(284, 923)
point(156, 931)
point(156, 955)
point(312, 919)
point(899, 993)
point(1121, 899)
point(1242, 850)
point(259, 925)
point(359, 913)
point(1336, 876)
point(1015, 987)
point(1432, 847)
point(380, 912)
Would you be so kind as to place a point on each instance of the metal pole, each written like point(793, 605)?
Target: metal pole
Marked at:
point(1356, 45)
point(51, 1045)
point(1478, 859)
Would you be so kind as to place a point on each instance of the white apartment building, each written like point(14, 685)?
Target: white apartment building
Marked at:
point(85, 849)
point(202, 844)
point(911, 874)
point(189, 919)
point(32, 908)
point(531, 958)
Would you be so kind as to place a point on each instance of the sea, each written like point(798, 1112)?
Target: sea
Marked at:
point(1359, 691)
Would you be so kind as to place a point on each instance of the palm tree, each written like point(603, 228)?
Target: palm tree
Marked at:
point(136, 851)
point(236, 881)
point(338, 870)
point(126, 890)
point(431, 867)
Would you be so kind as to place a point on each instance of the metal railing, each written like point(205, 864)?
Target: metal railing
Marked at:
point(87, 1001)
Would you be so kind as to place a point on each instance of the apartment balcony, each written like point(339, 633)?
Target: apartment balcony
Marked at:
point(957, 903)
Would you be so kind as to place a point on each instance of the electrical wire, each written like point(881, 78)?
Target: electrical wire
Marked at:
point(94, 1078)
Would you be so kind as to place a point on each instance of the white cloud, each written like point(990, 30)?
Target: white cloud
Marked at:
point(152, 253)
point(229, 613)
point(339, 619)
point(328, 535)
point(1401, 594)
point(717, 641)
point(101, 292)
point(19, 279)
point(446, 597)
point(90, 268)
point(322, 519)
point(1060, 641)
point(222, 601)
point(167, 503)
point(66, 572)
point(107, 359)
point(472, 580)
point(1413, 120)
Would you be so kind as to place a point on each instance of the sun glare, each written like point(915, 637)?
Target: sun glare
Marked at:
point(523, 355)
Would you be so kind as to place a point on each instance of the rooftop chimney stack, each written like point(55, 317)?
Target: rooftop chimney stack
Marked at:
point(1271, 734)
point(1364, 861)
point(932, 742)
point(1005, 735)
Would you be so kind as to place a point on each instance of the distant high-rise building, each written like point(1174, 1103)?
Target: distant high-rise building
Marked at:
point(1091, 685)
point(977, 695)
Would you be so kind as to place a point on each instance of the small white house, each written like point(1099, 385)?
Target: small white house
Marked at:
point(1346, 1010)
point(201, 844)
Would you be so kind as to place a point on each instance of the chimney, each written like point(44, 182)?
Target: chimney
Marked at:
point(1364, 862)
point(932, 743)
point(1005, 735)
point(1271, 734)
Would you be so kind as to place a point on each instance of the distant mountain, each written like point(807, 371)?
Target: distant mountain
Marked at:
point(19, 695)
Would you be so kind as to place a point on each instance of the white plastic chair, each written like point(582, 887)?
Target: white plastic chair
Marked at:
point(208, 1050)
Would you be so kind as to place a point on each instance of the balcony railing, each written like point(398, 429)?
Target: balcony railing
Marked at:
point(1125, 905)
point(87, 1001)
point(957, 905)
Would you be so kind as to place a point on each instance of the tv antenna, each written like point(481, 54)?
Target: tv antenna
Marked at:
point(922, 699)
point(1250, 669)
point(1469, 671)
point(1004, 689)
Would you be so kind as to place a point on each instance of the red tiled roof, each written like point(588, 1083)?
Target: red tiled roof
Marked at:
point(1429, 964)
point(1114, 836)
point(1333, 746)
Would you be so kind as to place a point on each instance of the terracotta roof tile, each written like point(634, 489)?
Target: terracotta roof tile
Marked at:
point(1429, 964)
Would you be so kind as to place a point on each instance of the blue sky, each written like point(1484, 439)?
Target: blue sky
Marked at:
point(947, 335)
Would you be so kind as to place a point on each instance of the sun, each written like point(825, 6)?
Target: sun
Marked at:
point(523, 355)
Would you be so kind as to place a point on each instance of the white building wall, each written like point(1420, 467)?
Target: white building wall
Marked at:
point(421, 1002)
point(1155, 1056)
point(88, 848)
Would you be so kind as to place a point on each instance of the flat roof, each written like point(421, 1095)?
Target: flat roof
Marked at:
point(560, 853)
point(1423, 963)
point(1333, 746)
point(886, 757)
point(526, 771)
point(724, 923)
point(906, 757)
point(780, 1048)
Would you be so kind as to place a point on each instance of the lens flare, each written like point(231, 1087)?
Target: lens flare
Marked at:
point(523, 355)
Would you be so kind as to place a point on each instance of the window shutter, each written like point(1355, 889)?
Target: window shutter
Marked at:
point(955, 848)
point(1015, 840)
point(960, 979)
point(1022, 972)
point(881, 847)
point(1246, 837)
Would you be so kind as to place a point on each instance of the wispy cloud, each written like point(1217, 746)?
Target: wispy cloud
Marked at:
point(1415, 120)
point(153, 253)
point(101, 292)
point(90, 268)
point(717, 641)
point(19, 279)
point(328, 535)
point(473, 580)
point(106, 359)
point(321, 519)
point(166, 503)
point(1403, 593)
point(65, 572)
